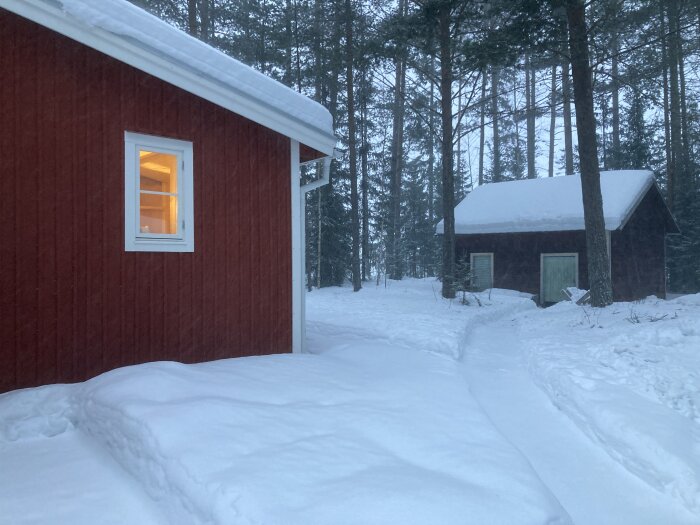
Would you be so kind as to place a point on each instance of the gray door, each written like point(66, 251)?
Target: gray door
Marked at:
point(482, 271)
point(558, 272)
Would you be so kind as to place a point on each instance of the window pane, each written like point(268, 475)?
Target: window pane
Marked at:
point(158, 213)
point(158, 171)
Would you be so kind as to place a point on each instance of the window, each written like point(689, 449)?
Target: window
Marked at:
point(481, 266)
point(158, 210)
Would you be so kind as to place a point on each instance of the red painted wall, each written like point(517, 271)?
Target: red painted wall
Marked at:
point(73, 303)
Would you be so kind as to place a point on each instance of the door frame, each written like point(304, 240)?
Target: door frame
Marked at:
point(565, 254)
point(471, 264)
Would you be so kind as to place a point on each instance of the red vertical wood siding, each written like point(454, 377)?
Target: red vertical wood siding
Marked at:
point(73, 303)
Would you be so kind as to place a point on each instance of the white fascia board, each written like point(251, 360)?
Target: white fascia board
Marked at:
point(129, 52)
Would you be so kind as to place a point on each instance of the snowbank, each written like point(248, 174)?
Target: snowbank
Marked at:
point(367, 435)
point(33, 412)
point(629, 376)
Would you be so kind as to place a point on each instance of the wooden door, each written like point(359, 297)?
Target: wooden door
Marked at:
point(558, 271)
point(481, 271)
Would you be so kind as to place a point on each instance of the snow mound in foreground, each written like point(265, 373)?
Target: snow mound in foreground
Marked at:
point(367, 435)
point(33, 412)
point(629, 376)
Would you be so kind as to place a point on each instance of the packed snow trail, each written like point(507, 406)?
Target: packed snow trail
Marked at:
point(591, 486)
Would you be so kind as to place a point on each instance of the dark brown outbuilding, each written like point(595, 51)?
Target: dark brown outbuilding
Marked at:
point(207, 266)
point(528, 235)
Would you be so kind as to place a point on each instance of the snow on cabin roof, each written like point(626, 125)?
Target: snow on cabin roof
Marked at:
point(134, 36)
point(548, 204)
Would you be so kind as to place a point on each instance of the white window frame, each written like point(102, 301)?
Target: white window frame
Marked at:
point(542, 256)
point(134, 239)
point(471, 264)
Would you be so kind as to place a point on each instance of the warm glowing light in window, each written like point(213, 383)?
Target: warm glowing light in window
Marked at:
point(158, 198)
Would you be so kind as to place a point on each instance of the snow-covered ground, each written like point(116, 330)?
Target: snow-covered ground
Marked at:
point(629, 377)
point(602, 402)
point(367, 431)
point(411, 409)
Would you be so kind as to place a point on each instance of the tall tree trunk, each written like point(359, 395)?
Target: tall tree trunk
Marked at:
point(318, 96)
point(596, 238)
point(566, 101)
point(667, 111)
point(205, 17)
point(319, 238)
point(459, 182)
point(496, 174)
point(603, 132)
point(482, 127)
point(552, 119)
point(431, 260)
point(530, 95)
point(192, 18)
point(615, 87)
point(297, 46)
point(677, 166)
point(431, 149)
point(364, 152)
point(685, 133)
point(448, 238)
point(395, 269)
point(289, 42)
point(352, 147)
point(307, 244)
point(518, 168)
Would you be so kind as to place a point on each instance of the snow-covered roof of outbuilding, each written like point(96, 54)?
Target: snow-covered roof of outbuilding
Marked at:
point(548, 204)
point(133, 36)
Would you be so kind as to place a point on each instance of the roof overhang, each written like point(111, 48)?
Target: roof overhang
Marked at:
point(48, 13)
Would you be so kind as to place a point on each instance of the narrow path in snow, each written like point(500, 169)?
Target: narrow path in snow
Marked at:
point(591, 486)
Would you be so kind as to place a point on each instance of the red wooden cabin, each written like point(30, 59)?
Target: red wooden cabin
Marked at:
point(151, 197)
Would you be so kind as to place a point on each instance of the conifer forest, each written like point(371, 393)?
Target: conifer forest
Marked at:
point(431, 98)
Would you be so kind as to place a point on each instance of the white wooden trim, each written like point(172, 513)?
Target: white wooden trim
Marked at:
point(565, 254)
point(471, 263)
point(298, 300)
point(134, 241)
point(130, 52)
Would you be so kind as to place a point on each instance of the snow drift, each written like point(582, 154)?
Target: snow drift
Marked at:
point(627, 375)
